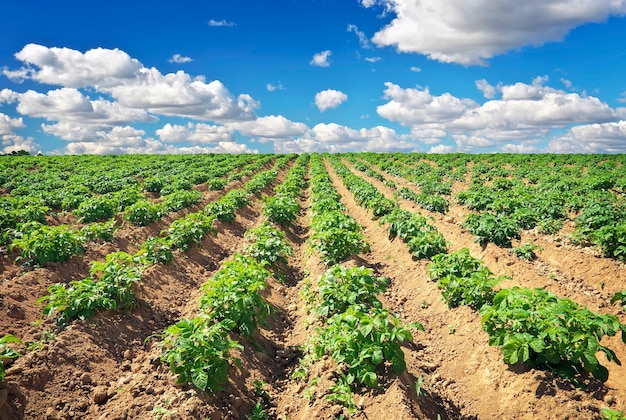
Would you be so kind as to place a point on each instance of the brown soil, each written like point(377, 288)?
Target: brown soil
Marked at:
point(109, 367)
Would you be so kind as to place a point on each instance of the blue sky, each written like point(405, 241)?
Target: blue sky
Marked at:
point(476, 76)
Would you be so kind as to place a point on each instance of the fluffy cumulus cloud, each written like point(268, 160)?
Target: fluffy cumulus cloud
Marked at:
point(419, 107)
point(10, 141)
point(100, 93)
point(152, 146)
point(270, 127)
point(132, 85)
point(592, 138)
point(321, 59)
point(514, 120)
point(470, 31)
point(336, 138)
point(199, 133)
point(329, 98)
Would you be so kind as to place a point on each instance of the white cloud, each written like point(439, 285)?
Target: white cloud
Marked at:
point(223, 22)
point(337, 138)
point(177, 58)
point(622, 97)
point(488, 91)
point(132, 85)
point(270, 127)
point(321, 59)
point(592, 138)
point(418, 106)
point(70, 105)
point(8, 96)
point(13, 143)
point(99, 67)
point(329, 98)
point(415, 69)
point(10, 141)
point(152, 146)
point(441, 149)
point(524, 147)
point(8, 124)
point(363, 41)
point(177, 94)
point(372, 59)
point(524, 113)
point(195, 133)
point(470, 31)
point(272, 87)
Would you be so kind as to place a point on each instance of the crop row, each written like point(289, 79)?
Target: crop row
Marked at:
point(198, 350)
point(110, 284)
point(532, 326)
point(336, 235)
point(422, 238)
point(52, 190)
point(538, 194)
point(351, 326)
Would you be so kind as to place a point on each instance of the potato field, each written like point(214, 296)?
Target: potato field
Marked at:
point(321, 286)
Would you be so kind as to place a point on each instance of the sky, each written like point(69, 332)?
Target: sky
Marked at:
point(243, 76)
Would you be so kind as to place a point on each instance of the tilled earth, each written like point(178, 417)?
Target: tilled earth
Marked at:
point(109, 367)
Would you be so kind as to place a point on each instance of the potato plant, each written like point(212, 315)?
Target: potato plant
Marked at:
point(233, 294)
point(536, 327)
point(41, 244)
point(109, 286)
point(198, 352)
point(267, 245)
point(6, 352)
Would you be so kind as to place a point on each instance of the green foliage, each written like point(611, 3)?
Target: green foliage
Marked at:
point(142, 213)
point(463, 279)
point(341, 393)
point(619, 297)
point(489, 227)
point(260, 181)
point(41, 244)
point(258, 412)
point(608, 414)
point(198, 351)
point(156, 251)
point(281, 209)
point(405, 225)
point(430, 202)
point(268, 245)
point(180, 199)
point(95, 208)
point(216, 184)
point(234, 294)
point(342, 287)
point(612, 240)
point(192, 228)
point(7, 352)
point(224, 209)
point(458, 264)
point(336, 244)
point(365, 340)
point(535, 327)
point(154, 184)
point(102, 230)
point(427, 244)
point(526, 251)
point(110, 286)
